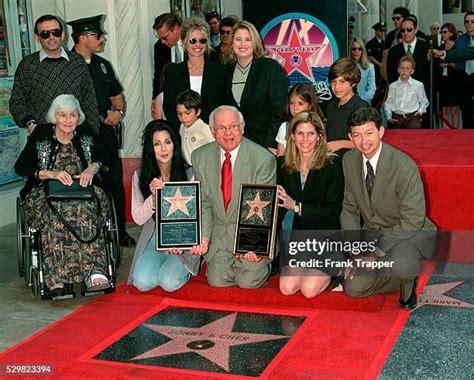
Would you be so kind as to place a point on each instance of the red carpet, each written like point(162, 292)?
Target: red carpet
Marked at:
point(344, 338)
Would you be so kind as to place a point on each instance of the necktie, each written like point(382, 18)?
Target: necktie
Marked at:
point(409, 50)
point(226, 185)
point(177, 54)
point(370, 178)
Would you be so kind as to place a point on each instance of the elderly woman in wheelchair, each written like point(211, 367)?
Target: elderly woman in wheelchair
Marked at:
point(62, 201)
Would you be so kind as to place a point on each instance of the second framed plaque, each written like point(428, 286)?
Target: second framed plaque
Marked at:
point(256, 224)
point(178, 215)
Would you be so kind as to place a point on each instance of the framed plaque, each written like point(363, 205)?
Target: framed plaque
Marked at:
point(256, 224)
point(178, 215)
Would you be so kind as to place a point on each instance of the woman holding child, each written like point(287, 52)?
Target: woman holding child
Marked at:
point(312, 185)
point(161, 162)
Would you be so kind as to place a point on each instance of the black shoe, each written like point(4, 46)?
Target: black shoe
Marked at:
point(127, 241)
point(411, 302)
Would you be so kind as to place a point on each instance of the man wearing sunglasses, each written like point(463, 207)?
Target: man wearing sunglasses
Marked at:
point(168, 48)
point(48, 73)
point(88, 37)
point(463, 42)
point(225, 29)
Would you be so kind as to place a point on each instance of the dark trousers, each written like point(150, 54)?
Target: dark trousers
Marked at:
point(112, 180)
point(466, 107)
point(406, 121)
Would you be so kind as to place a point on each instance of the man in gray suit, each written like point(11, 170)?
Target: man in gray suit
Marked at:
point(222, 166)
point(383, 186)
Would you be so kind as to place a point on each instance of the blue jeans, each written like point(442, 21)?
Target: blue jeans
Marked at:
point(156, 268)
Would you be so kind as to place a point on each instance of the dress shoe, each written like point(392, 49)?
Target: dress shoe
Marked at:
point(410, 302)
point(127, 241)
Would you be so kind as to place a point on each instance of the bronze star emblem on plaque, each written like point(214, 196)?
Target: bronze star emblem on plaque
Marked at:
point(256, 207)
point(178, 202)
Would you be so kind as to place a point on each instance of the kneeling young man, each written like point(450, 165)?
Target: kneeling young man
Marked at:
point(222, 166)
point(383, 186)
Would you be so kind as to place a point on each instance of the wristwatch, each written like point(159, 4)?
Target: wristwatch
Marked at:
point(121, 113)
point(30, 123)
point(297, 208)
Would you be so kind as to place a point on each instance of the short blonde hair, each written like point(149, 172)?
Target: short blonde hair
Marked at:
point(258, 49)
point(364, 59)
point(195, 23)
point(320, 155)
point(64, 102)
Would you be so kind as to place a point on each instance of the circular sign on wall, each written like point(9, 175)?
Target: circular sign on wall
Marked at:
point(304, 46)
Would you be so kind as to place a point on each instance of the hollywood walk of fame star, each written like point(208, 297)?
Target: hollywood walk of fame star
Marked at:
point(178, 202)
point(256, 207)
point(211, 341)
point(296, 55)
point(435, 295)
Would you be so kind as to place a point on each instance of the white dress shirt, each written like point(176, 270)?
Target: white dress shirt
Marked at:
point(406, 97)
point(233, 156)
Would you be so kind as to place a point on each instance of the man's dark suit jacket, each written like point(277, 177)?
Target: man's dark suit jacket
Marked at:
point(177, 81)
point(456, 55)
point(321, 197)
point(162, 56)
point(420, 55)
point(263, 101)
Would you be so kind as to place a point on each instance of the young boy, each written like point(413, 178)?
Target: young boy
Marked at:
point(343, 77)
point(194, 132)
point(406, 100)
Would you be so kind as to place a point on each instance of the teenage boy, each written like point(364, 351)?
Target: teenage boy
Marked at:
point(194, 132)
point(343, 76)
point(406, 100)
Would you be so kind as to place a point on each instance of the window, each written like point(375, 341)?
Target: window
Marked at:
point(186, 8)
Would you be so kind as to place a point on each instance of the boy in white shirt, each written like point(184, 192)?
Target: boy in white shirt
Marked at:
point(406, 101)
point(194, 132)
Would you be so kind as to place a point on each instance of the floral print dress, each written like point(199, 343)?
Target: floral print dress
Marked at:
point(67, 260)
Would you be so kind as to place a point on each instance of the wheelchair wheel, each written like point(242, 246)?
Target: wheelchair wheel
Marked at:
point(20, 230)
point(35, 282)
point(114, 236)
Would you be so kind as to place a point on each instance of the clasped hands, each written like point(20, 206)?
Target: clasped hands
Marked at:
point(85, 178)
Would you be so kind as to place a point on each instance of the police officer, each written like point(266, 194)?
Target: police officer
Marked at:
point(375, 46)
point(88, 37)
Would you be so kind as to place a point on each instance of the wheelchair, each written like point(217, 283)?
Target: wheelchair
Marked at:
point(30, 257)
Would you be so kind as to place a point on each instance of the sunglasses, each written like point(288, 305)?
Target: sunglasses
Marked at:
point(354, 48)
point(202, 41)
point(468, 21)
point(444, 32)
point(407, 30)
point(45, 34)
point(96, 35)
point(396, 18)
point(225, 32)
point(435, 28)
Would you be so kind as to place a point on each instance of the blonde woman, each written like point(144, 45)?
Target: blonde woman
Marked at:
point(311, 184)
point(196, 72)
point(366, 87)
point(256, 85)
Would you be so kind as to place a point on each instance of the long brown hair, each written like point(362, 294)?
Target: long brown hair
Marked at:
point(320, 154)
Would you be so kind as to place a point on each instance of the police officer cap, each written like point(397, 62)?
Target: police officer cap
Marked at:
point(381, 25)
point(87, 24)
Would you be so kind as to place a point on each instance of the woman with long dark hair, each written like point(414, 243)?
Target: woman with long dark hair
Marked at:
point(161, 162)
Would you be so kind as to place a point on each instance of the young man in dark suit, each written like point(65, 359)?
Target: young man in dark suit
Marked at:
point(383, 189)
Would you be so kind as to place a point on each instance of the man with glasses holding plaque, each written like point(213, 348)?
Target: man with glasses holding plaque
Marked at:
point(221, 167)
point(44, 75)
point(89, 39)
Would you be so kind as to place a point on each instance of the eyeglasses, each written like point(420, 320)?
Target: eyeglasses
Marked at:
point(407, 30)
point(163, 38)
point(355, 48)
point(396, 18)
point(45, 34)
point(96, 35)
point(202, 41)
point(231, 128)
point(435, 28)
point(468, 21)
point(225, 32)
point(444, 32)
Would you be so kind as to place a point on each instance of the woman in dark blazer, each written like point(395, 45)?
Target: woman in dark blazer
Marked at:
point(197, 72)
point(311, 185)
point(256, 85)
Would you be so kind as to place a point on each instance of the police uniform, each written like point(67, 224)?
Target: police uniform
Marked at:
point(375, 47)
point(106, 86)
